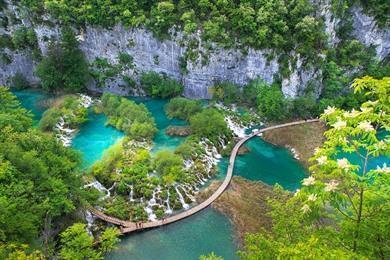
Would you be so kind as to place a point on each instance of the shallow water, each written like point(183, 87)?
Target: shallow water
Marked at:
point(94, 138)
point(270, 164)
point(34, 101)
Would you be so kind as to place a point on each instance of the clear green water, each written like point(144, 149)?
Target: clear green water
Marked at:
point(34, 101)
point(94, 138)
point(188, 239)
point(270, 164)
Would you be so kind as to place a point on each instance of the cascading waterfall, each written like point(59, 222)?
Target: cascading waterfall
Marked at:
point(168, 209)
point(181, 198)
point(131, 194)
point(64, 133)
point(152, 202)
point(90, 220)
point(97, 185)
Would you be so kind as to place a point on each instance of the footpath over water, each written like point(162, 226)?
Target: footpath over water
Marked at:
point(128, 226)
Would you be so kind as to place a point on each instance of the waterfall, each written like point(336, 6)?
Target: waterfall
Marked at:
point(131, 195)
point(181, 199)
point(237, 129)
point(152, 202)
point(192, 198)
point(168, 210)
point(90, 220)
point(97, 185)
point(64, 133)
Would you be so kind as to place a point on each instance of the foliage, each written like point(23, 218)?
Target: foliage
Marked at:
point(69, 107)
point(211, 256)
point(23, 38)
point(18, 81)
point(169, 166)
point(76, 243)
point(341, 210)
point(135, 120)
point(272, 104)
point(305, 106)
point(182, 108)
point(157, 85)
point(209, 123)
point(65, 67)
point(19, 251)
point(11, 113)
point(226, 92)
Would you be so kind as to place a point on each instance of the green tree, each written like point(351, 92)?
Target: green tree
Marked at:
point(209, 123)
point(272, 104)
point(182, 108)
point(163, 17)
point(77, 244)
point(11, 113)
point(64, 68)
point(157, 85)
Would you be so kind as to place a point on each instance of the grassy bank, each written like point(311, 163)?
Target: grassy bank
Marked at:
point(303, 138)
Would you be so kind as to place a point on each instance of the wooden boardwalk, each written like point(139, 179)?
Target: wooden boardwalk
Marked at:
point(127, 226)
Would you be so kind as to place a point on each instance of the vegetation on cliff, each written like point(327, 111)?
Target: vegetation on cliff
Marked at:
point(64, 68)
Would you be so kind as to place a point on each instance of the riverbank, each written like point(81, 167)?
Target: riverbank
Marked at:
point(300, 139)
point(244, 203)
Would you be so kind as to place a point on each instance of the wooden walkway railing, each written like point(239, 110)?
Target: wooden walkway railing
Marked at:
point(127, 226)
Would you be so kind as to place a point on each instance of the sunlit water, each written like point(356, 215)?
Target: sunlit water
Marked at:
point(205, 232)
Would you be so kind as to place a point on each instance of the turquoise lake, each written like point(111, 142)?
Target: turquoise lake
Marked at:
point(205, 232)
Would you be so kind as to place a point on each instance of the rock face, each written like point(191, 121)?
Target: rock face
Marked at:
point(366, 31)
point(151, 54)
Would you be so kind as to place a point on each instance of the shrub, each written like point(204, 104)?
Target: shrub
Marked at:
point(157, 85)
point(182, 108)
point(209, 123)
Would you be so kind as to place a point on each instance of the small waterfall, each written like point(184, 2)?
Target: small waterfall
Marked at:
point(168, 210)
point(237, 129)
point(64, 133)
point(181, 199)
point(152, 202)
point(97, 185)
point(90, 220)
point(131, 195)
point(192, 198)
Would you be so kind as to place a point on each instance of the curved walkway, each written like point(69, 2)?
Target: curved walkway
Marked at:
point(127, 226)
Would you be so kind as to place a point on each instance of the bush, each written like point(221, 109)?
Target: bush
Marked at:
point(182, 108)
point(272, 105)
point(69, 107)
point(156, 85)
point(169, 166)
point(209, 123)
point(226, 92)
point(135, 120)
point(18, 81)
point(305, 107)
